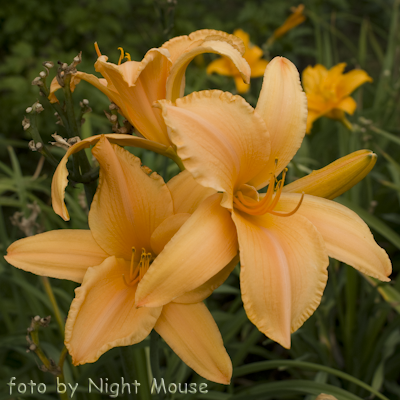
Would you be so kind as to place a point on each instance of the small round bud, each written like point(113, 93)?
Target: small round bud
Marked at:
point(37, 81)
point(85, 102)
point(112, 107)
point(36, 318)
point(56, 113)
point(39, 145)
point(64, 66)
point(32, 347)
point(27, 126)
point(77, 59)
point(43, 74)
point(32, 145)
point(28, 110)
point(113, 118)
point(48, 64)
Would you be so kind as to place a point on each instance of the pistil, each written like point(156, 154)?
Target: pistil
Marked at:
point(268, 203)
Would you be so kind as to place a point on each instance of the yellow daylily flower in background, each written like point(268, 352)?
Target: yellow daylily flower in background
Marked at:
point(284, 238)
point(328, 92)
point(135, 86)
point(253, 54)
point(133, 217)
point(296, 18)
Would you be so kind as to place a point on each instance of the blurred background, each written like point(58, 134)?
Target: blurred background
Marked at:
point(354, 336)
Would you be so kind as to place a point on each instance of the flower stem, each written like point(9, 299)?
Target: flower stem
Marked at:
point(53, 301)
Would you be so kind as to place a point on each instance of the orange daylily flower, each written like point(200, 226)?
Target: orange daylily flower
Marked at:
point(135, 86)
point(328, 92)
point(296, 18)
point(134, 215)
point(253, 54)
point(285, 238)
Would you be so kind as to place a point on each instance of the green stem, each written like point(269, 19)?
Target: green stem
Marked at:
point(85, 167)
point(53, 301)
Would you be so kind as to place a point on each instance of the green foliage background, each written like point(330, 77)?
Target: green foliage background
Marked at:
point(350, 347)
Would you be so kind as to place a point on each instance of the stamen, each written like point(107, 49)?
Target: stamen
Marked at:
point(288, 214)
point(96, 46)
point(121, 57)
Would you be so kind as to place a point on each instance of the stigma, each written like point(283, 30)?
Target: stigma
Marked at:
point(268, 203)
point(137, 270)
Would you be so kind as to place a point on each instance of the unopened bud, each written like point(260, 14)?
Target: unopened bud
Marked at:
point(64, 65)
point(48, 64)
point(28, 110)
point(77, 59)
point(36, 318)
point(42, 74)
point(85, 102)
point(32, 145)
point(37, 81)
point(113, 106)
point(32, 347)
point(73, 140)
point(39, 145)
point(38, 108)
point(113, 118)
point(27, 126)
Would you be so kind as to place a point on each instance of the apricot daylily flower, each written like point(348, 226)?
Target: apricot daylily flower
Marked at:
point(328, 92)
point(132, 217)
point(135, 86)
point(253, 54)
point(285, 238)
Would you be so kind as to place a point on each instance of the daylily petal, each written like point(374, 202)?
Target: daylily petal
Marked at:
point(258, 68)
point(222, 66)
point(311, 117)
point(241, 87)
point(221, 140)
point(128, 204)
point(244, 36)
point(283, 272)
point(191, 332)
point(54, 86)
point(60, 180)
point(283, 106)
point(252, 55)
point(312, 77)
point(334, 74)
point(139, 85)
point(177, 46)
point(186, 193)
point(351, 81)
point(176, 81)
point(103, 314)
point(348, 104)
point(204, 245)
point(347, 236)
point(205, 290)
point(166, 230)
point(336, 178)
point(62, 254)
